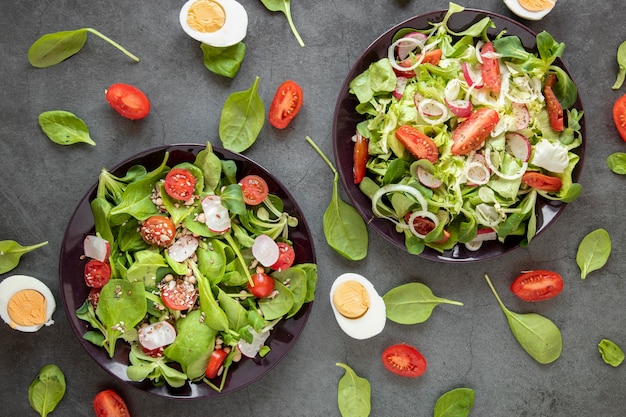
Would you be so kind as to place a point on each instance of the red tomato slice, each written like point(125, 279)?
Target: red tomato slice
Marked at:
point(431, 57)
point(286, 257)
point(404, 360)
point(471, 133)
point(555, 110)
point(179, 184)
point(178, 296)
point(215, 362)
point(537, 285)
point(417, 143)
point(97, 273)
point(491, 68)
point(286, 104)
point(108, 403)
point(541, 181)
point(361, 156)
point(254, 189)
point(127, 100)
point(263, 285)
point(619, 116)
point(158, 231)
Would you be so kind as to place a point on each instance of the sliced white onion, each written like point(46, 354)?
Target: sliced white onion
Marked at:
point(183, 248)
point(479, 47)
point(96, 247)
point(405, 48)
point(518, 145)
point(391, 53)
point(477, 173)
point(459, 107)
point(432, 111)
point(473, 245)
point(216, 215)
point(488, 215)
point(500, 174)
point(265, 250)
point(391, 188)
point(421, 213)
point(252, 349)
point(156, 335)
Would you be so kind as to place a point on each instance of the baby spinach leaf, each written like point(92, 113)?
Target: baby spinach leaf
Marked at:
point(621, 62)
point(455, 403)
point(344, 228)
point(283, 6)
point(610, 352)
point(47, 389)
point(242, 119)
point(617, 162)
point(412, 303)
point(211, 167)
point(11, 253)
point(64, 128)
point(353, 394)
point(223, 61)
point(276, 307)
point(144, 366)
point(593, 252)
point(537, 335)
point(53, 48)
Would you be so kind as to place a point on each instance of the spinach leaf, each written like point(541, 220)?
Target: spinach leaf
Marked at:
point(276, 307)
point(353, 394)
point(621, 62)
point(211, 167)
point(412, 303)
point(344, 228)
point(144, 269)
point(11, 253)
point(617, 162)
point(455, 403)
point(285, 7)
point(47, 389)
point(242, 119)
point(537, 335)
point(143, 366)
point(64, 128)
point(223, 61)
point(593, 252)
point(53, 48)
point(610, 352)
point(297, 280)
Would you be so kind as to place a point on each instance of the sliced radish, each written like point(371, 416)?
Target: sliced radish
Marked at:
point(400, 86)
point(252, 349)
point(265, 250)
point(427, 178)
point(477, 173)
point(459, 107)
point(518, 145)
point(471, 78)
point(522, 116)
point(156, 335)
point(183, 248)
point(216, 215)
point(96, 248)
point(484, 234)
point(406, 46)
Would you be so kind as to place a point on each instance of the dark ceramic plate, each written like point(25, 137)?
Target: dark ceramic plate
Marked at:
point(74, 291)
point(346, 118)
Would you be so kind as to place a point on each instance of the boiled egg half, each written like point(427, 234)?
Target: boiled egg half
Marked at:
point(26, 304)
point(219, 23)
point(530, 9)
point(360, 311)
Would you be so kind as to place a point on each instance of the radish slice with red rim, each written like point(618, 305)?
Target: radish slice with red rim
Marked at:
point(251, 349)
point(216, 215)
point(405, 48)
point(400, 86)
point(156, 335)
point(459, 107)
point(96, 247)
point(427, 178)
point(265, 250)
point(433, 112)
point(471, 78)
point(521, 114)
point(518, 145)
point(183, 248)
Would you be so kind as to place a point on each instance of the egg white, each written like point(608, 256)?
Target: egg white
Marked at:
point(369, 324)
point(16, 283)
point(233, 31)
point(519, 10)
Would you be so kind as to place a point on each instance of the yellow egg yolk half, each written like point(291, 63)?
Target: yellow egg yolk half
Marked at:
point(206, 16)
point(27, 308)
point(537, 5)
point(351, 299)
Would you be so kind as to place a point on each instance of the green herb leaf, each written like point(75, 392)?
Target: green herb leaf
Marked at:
point(621, 61)
point(11, 252)
point(610, 352)
point(242, 119)
point(455, 403)
point(593, 252)
point(412, 303)
point(223, 61)
point(283, 6)
point(353, 394)
point(617, 162)
point(64, 128)
point(47, 389)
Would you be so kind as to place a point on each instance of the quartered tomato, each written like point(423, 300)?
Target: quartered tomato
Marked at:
point(418, 143)
point(490, 68)
point(263, 285)
point(97, 273)
point(254, 189)
point(537, 285)
point(361, 156)
point(286, 257)
point(472, 132)
point(555, 110)
point(178, 296)
point(541, 181)
point(619, 116)
point(158, 231)
point(127, 100)
point(215, 362)
point(404, 360)
point(430, 57)
point(286, 104)
point(108, 403)
point(179, 184)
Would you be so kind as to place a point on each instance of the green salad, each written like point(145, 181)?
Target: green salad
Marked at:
point(463, 133)
point(191, 265)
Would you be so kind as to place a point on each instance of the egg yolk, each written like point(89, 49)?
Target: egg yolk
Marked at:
point(351, 299)
point(206, 16)
point(536, 5)
point(27, 308)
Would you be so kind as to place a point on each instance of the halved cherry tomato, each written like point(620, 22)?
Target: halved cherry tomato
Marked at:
point(155, 353)
point(108, 403)
point(179, 184)
point(97, 273)
point(158, 231)
point(424, 226)
point(361, 156)
point(215, 362)
point(178, 296)
point(472, 132)
point(537, 285)
point(286, 257)
point(127, 100)
point(541, 181)
point(286, 104)
point(619, 116)
point(555, 110)
point(430, 57)
point(490, 68)
point(418, 143)
point(254, 189)
point(404, 360)
point(262, 285)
